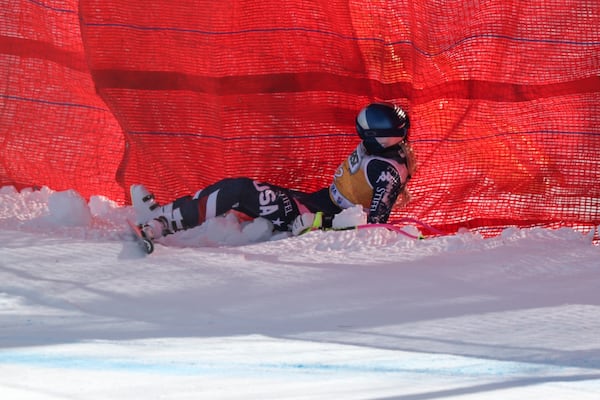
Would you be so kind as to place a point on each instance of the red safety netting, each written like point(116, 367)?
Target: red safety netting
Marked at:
point(54, 129)
point(503, 95)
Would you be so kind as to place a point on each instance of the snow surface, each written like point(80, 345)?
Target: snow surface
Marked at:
point(227, 311)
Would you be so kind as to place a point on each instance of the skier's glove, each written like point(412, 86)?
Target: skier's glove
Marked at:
point(306, 222)
point(310, 222)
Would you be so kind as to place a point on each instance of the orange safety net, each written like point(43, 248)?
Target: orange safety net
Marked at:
point(503, 96)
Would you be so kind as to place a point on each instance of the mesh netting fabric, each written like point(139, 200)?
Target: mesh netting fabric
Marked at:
point(503, 96)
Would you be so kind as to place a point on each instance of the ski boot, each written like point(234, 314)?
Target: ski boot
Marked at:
point(144, 203)
point(153, 219)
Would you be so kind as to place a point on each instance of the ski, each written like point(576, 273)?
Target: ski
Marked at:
point(399, 229)
point(145, 243)
point(390, 227)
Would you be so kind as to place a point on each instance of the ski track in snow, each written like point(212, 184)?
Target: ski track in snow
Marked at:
point(224, 312)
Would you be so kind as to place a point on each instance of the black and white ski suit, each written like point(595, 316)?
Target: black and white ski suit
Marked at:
point(371, 180)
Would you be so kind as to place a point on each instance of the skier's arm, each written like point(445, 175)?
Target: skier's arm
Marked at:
point(387, 184)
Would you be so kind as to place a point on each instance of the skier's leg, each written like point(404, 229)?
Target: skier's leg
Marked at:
point(228, 194)
point(187, 212)
point(241, 194)
point(254, 199)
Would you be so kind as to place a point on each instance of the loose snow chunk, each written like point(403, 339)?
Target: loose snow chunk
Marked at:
point(349, 217)
point(258, 230)
point(8, 190)
point(68, 208)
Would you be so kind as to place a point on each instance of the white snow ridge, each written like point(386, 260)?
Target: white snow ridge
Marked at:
point(228, 311)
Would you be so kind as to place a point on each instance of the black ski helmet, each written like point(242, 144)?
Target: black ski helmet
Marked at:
point(380, 120)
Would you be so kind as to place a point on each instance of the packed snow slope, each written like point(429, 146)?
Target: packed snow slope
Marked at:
point(227, 311)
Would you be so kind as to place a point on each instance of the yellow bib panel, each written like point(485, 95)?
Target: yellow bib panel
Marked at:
point(350, 183)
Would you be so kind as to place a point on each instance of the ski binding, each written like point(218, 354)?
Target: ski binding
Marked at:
point(145, 242)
